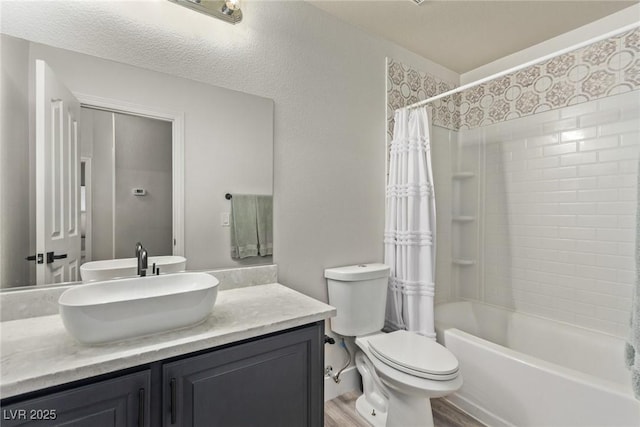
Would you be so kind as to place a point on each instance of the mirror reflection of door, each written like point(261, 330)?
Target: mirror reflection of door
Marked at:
point(128, 191)
point(57, 255)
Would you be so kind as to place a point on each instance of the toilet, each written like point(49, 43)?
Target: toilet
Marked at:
point(400, 370)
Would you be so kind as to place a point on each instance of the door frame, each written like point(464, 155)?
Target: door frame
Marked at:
point(177, 149)
point(88, 200)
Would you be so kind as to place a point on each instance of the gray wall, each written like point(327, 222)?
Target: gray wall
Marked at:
point(14, 155)
point(143, 160)
point(327, 80)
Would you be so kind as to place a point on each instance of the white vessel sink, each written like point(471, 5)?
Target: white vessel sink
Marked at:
point(94, 271)
point(117, 309)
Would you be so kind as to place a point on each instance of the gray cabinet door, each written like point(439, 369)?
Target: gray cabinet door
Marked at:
point(274, 381)
point(118, 402)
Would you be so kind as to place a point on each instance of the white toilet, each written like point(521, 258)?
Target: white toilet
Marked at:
point(400, 370)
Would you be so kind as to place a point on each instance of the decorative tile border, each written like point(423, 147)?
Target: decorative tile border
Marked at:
point(604, 68)
point(407, 85)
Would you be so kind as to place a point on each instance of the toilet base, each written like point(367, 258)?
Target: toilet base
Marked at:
point(366, 411)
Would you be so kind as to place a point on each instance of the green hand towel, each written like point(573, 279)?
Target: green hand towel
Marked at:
point(244, 230)
point(264, 205)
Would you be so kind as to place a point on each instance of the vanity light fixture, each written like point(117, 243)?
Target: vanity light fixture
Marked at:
point(227, 10)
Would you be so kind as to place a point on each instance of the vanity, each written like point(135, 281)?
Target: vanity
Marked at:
point(257, 360)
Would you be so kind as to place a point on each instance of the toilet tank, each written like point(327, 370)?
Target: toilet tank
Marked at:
point(359, 293)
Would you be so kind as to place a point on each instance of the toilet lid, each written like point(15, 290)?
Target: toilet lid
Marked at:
point(414, 354)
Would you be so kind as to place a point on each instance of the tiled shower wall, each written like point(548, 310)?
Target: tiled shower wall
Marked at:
point(556, 212)
point(543, 214)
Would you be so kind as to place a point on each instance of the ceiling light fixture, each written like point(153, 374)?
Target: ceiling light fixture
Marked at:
point(228, 11)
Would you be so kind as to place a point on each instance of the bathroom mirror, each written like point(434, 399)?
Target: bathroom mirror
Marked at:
point(200, 141)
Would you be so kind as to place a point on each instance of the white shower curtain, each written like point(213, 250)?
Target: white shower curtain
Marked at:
point(410, 220)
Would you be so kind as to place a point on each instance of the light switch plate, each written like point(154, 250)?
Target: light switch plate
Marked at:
point(225, 219)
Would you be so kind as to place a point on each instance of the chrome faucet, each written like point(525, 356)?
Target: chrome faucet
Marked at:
point(138, 249)
point(141, 254)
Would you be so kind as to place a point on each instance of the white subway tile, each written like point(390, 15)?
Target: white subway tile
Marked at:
point(557, 220)
point(614, 235)
point(581, 233)
point(577, 183)
point(559, 244)
point(597, 246)
point(616, 261)
point(617, 208)
point(631, 139)
point(557, 149)
point(614, 154)
point(578, 159)
point(618, 181)
point(578, 110)
point(597, 169)
point(624, 101)
point(627, 249)
point(626, 277)
point(542, 140)
point(628, 166)
point(610, 288)
point(545, 162)
point(578, 208)
point(599, 273)
point(579, 134)
point(529, 153)
point(627, 221)
point(558, 196)
point(619, 127)
point(597, 195)
point(578, 307)
point(561, 172)
point(600, 117)
point(630, 113)
point(597, 220)
point(560, 125)
point(599, 143)
point(612, 315)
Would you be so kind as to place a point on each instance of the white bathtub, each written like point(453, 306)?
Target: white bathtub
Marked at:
point(521, 370)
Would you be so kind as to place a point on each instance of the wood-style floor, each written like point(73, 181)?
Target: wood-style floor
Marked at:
point(341, 412)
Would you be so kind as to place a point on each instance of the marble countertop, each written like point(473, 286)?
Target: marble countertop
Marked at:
point(38, 352)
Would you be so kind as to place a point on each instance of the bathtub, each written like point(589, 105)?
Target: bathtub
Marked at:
point(522, 370)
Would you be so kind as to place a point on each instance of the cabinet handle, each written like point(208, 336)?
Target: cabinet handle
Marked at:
point(174, 409)
point(141, 404)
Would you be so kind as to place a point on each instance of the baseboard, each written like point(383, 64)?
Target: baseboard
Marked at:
point(349, 380)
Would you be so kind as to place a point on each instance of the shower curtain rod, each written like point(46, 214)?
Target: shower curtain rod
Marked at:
point(525, 65)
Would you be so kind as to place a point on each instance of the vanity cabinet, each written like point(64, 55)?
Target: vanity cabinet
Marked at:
point(117, 402)
point(274, 380)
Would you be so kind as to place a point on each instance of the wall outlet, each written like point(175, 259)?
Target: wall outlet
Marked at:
point(225, 220)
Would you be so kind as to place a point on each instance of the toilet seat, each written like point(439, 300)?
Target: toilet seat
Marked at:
point(415, 355)
point(405, 381)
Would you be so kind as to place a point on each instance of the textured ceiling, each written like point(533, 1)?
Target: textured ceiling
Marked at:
point(463, 35)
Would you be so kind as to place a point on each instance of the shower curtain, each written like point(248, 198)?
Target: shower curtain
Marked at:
point(410, 219)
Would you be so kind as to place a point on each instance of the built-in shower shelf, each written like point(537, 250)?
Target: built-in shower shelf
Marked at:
point(463, 218)
point(463, 175)
point(463, 262)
